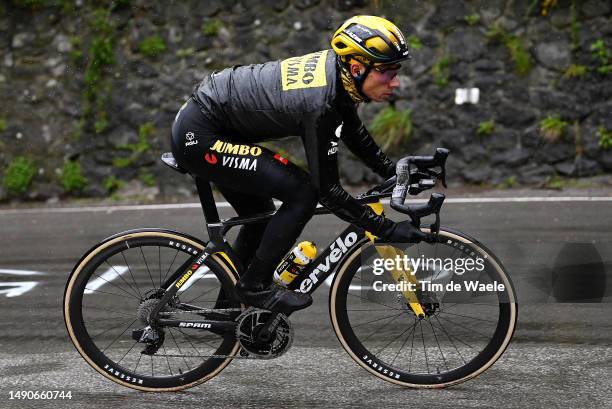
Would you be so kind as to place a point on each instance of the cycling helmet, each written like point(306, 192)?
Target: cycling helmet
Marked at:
point(370, 40)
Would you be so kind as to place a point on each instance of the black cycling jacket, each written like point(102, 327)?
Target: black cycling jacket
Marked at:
point(299, 96)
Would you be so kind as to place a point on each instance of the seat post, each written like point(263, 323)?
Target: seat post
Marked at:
point(208, 207)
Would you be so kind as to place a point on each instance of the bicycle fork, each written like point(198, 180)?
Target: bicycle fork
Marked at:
point(399, 276)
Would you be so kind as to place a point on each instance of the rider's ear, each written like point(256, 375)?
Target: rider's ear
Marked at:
point(355, 70)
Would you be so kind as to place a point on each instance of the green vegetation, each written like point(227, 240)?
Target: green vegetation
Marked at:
point(71, 177)
point(211, 27)
point(441, 71)
point(391, 127)
point(112, 184)
point(29, 4)
point(147, 178)
point(575, 70)
point(518, 53)
point(145, 131)
point(76, 54)
point(3, 125)
point(556, 182)
point(152, 46)
point(602, 55)
point(472, 19)
point(574, 26)
point(100, 55)
point(520, 56)
point(101, 122)
point(77, 130)
point(552, 127)
point(605, 138)
point(123, 162)
point(509, 183)
point(18, 175)
point(486, 128)
point(185, 52)
point(414, 43)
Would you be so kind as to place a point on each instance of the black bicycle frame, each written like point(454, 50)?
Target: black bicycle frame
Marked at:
point(308, 281)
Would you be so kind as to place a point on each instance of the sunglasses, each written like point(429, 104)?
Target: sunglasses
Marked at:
point(388, 71)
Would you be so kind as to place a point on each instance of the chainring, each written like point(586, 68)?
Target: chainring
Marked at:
point(249, 324)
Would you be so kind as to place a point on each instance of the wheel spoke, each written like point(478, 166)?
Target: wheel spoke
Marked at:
point(404, 343)
point(116, 286)
point(132, 347)
point(136, 293)
point(467, 316)
point(384, 305)
point(438, 342)
point(132, 275)
point(111, 328)
point(450, 339)
point(118, 336)
point(147, 266)
point(394, 339)
point(178, 347)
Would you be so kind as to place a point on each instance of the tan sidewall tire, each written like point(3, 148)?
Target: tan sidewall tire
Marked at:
point(332, 311)
point(79, 268)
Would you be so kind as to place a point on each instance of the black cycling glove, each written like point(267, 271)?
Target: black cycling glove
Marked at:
point(405, 232)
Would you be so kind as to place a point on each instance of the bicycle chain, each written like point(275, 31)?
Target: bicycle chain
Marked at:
point(205, 311)
point(202, 311)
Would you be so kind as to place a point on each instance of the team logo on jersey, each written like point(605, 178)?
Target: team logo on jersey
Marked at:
point(333, 149)
point(190, 136)
point(226, 147)
point(306, 71)
point(211, 158)
point(239, 163)
point(282, 160)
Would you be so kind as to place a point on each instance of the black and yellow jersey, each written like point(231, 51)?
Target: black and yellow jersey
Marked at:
point(298, 96)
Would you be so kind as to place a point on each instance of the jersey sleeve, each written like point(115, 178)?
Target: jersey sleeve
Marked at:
point(357, 138)
point(321, 146)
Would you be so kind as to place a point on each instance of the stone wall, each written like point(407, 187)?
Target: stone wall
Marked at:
point(89, 89)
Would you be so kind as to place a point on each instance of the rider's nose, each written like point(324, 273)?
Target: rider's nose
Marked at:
point(395, 82)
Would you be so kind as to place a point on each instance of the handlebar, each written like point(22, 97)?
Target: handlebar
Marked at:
point(414, 174)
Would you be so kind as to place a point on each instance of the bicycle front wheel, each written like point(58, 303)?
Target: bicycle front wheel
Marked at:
point(114, 287)
point(462, 332)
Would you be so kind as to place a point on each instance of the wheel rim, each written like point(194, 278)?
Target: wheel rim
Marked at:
point(440, 350)
point(102, 308)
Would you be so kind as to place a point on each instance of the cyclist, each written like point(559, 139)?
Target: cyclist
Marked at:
point(215, 135)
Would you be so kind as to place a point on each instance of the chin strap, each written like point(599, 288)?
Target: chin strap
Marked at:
point(353, 85)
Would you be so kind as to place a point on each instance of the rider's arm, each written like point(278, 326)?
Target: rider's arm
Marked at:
point(323, 164)
point(357, 138)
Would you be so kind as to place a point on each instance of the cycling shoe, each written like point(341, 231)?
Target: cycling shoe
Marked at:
point(273, 297)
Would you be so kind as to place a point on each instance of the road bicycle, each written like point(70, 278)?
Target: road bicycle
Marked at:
point(155, 310)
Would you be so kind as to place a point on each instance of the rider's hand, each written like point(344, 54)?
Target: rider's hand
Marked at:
point(405, 232)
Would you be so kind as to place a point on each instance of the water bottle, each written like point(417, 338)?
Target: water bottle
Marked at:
point(295, 262)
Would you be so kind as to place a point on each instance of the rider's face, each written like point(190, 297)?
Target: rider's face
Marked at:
point(380, 82)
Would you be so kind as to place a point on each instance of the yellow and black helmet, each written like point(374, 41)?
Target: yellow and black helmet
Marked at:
point(370, 40)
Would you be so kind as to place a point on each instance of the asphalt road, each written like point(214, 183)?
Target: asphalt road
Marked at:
point(560, 355)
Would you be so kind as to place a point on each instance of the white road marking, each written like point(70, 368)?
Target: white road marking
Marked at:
point(459, 200)
point(106, 277)
point(21, 272)
point(17, 289)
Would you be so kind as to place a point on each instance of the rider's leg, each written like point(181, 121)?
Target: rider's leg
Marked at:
point(264, 175)
point(249, 236)
point(254, 171)
point(281, 180)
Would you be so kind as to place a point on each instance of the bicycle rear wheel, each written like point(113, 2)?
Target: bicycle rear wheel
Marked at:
point(114, 286)
point(462, 333)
